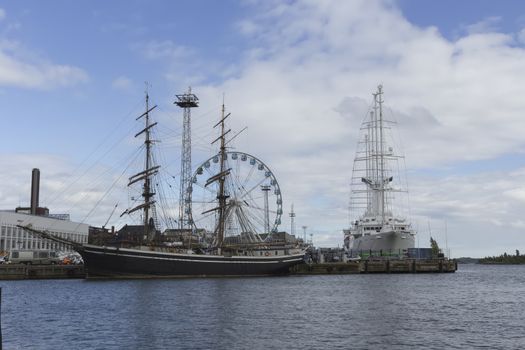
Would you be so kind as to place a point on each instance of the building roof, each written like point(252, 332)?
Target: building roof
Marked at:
point(42, 223)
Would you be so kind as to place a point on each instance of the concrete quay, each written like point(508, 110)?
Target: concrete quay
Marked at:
point(21, 271)
point(377, 266)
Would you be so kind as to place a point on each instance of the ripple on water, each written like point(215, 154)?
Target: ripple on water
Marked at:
point(478, 307)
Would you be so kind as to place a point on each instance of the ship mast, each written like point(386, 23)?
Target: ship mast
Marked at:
point(146, 194)
point(379, 97)
point(146, 174)
point(375, 158)
point(375, 146)
point(221, 196)
point(369, 164)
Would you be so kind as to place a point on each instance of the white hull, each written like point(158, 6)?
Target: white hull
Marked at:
point(385, 242)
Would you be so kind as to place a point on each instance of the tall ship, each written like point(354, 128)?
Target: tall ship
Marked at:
point(378, 191)
point(230, 232)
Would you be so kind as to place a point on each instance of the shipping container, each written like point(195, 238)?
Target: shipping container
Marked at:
point(420, 253)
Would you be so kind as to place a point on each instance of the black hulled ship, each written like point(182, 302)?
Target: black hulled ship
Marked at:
point(141, 251)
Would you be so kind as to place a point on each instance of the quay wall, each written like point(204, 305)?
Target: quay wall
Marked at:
point(377, 266)
point(21, 271)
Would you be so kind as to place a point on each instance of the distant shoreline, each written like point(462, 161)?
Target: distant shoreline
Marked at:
point(499, 263)
point(500, 260)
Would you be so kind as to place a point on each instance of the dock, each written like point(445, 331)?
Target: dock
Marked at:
point(377, 266)
point(21, 271)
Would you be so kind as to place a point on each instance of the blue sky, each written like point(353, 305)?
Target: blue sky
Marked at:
point(452, 17)
point(106, 42)
point(298, 74)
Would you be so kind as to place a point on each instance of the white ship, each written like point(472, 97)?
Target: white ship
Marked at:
point(377, 192)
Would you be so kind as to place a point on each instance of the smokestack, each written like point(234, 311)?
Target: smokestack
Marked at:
point(35, 190)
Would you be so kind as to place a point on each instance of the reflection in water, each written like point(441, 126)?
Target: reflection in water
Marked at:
point(461, 310)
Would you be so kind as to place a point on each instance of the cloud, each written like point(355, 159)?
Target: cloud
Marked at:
point(305, 85)
point(184, 68)
point(88, 193)
point(489, 24)
point(122, 83)
point(246, 27)
point(521, 36)
point(19, 68)
point(312, 57)
point(166, 49)
point(484, 210)
point(517, 193)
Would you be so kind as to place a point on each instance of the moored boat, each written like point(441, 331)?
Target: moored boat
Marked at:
point(377, 227)
point(144, 262)
point(142, 251)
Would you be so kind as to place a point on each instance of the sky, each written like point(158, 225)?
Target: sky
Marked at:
point(300, 76)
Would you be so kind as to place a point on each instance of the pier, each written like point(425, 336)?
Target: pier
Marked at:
point(21, 271)
point(377, 266)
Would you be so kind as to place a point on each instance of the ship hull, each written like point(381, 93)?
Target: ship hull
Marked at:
point(386, 242)
point(112, 262)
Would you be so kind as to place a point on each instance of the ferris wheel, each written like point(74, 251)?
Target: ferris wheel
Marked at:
point(254, 202)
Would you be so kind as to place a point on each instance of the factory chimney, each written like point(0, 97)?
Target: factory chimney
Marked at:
point(35, 190)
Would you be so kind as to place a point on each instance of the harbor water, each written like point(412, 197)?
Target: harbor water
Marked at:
point(476, 307)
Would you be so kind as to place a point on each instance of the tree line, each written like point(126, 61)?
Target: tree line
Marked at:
point(504, 259)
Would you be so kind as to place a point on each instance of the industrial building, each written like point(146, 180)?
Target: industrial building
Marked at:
point(14, 237)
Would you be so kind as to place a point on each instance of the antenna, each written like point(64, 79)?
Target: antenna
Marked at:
point(186, 101)
point(304, 232)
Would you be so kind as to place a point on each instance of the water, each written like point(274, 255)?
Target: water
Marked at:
point(477, 307)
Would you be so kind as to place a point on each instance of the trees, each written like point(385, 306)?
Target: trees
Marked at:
point(435, 247)
point(504, 259)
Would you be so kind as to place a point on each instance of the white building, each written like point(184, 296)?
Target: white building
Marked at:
point(13, 237)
